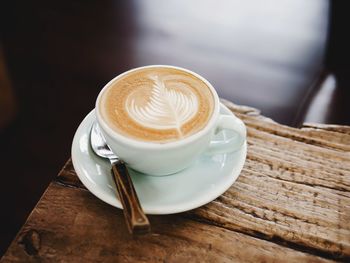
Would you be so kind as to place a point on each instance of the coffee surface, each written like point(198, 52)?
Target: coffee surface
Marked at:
point(157, 104)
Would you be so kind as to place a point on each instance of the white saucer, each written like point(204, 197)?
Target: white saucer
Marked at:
point(205, 180)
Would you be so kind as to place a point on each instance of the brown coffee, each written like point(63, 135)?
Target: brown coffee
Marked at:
point(157, 104)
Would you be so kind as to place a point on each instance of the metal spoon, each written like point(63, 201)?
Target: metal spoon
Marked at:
point(135, 218)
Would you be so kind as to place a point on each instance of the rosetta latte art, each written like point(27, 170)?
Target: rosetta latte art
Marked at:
point(166, 108)
point(157, 104)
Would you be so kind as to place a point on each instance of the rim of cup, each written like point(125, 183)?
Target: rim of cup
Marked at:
point(157, 145)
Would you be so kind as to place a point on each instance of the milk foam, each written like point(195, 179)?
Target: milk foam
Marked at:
point(157, 104)
point(166, 108)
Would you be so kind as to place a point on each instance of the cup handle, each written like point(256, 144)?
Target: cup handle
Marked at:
point(233, 143)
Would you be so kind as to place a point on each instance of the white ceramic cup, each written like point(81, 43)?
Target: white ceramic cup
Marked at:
point(168, 158)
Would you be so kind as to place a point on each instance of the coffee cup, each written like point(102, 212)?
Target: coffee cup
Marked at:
point(159, 119)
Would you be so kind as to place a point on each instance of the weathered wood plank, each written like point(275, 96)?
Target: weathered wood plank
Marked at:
point(295, 186)
point(304, 216)
point(68, 177)
point(308, 162)
point(252, 119)
point(294, 191)
point(290, 188)
point(78, 227)
point(328, 127)
point(296, 134)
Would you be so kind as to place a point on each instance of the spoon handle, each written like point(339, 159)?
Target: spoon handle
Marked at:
point(136, 220)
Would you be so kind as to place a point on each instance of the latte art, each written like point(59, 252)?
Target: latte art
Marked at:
point(166, 109)
point(157, 104)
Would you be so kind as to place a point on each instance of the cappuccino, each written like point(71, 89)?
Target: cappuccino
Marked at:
point(157, 104)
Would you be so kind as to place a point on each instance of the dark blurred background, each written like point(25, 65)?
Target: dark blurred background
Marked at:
point(288, 58)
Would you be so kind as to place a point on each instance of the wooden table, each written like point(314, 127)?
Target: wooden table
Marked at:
point(290, 203)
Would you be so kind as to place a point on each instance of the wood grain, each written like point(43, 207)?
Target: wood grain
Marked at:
point(295, 187)
point(291, 201)
point(77, 227)
point(329, 127)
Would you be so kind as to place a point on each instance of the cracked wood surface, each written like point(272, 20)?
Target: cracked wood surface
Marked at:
point(291, 202)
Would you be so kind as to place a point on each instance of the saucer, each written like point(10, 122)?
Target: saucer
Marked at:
point(207, 178)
